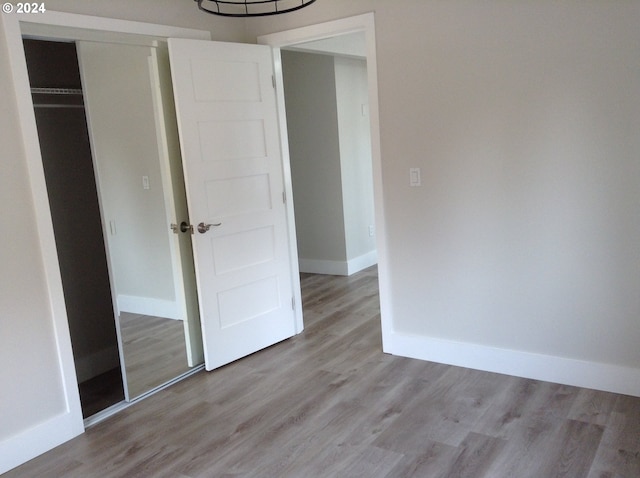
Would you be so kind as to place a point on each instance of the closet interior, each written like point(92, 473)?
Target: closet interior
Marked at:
point(114, 188)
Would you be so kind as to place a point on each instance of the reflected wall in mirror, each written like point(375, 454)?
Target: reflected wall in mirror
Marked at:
point(141, 191)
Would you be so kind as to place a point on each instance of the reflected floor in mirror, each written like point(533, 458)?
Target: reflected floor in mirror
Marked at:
point(154, 351)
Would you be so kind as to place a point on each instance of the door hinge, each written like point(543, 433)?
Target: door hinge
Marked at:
point(273, 81)
point(293, 303)
point(284, 197)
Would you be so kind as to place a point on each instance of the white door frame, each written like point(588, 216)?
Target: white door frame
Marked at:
point(359, 23)
point(35, 440)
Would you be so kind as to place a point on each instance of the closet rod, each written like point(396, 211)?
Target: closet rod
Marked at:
point(56, 91)
point(53, 105)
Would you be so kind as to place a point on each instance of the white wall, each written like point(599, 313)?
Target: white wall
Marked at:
point(521, 247)
point(29, 354)
point(26, 331)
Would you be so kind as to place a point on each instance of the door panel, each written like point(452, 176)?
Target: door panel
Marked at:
point(228, 127)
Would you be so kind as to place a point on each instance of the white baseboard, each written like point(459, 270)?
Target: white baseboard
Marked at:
point(166, 309)
point(360, 263)
point(338, 268)
point(594, 375)
point(18, 449)
point(96, 363)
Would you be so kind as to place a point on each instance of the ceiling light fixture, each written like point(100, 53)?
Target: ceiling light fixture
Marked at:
point(251, 8)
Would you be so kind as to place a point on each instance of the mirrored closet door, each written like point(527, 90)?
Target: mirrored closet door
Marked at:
point(114, 179)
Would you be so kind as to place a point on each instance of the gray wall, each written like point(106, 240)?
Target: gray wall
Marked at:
point(310, 96)
point(522, 117)
point(524, 234)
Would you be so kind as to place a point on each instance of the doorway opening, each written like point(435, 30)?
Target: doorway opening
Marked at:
point(326, 98)
point(352, 40)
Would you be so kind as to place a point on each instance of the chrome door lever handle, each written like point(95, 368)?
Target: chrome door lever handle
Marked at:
point(202, 227)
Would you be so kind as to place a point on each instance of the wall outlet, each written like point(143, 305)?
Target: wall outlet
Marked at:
point(372, 231)
point(145, 182)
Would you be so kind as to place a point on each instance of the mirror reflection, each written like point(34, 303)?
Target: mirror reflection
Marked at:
point(112, 167)
point(131, 136)
point(153, 349)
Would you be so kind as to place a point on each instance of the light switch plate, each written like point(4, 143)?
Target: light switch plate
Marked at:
point(414, 177)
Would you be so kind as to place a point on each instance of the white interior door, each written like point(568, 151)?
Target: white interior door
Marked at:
point(227, 120)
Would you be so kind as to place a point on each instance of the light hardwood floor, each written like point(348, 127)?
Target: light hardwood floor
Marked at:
point(329, 403)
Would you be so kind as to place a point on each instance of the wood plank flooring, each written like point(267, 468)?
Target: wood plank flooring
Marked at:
point(329, 403)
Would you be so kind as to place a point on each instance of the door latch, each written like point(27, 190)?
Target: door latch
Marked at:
point(183, 227)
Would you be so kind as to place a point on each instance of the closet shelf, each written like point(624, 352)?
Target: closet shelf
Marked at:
point(58, 97)
point(56, 91)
